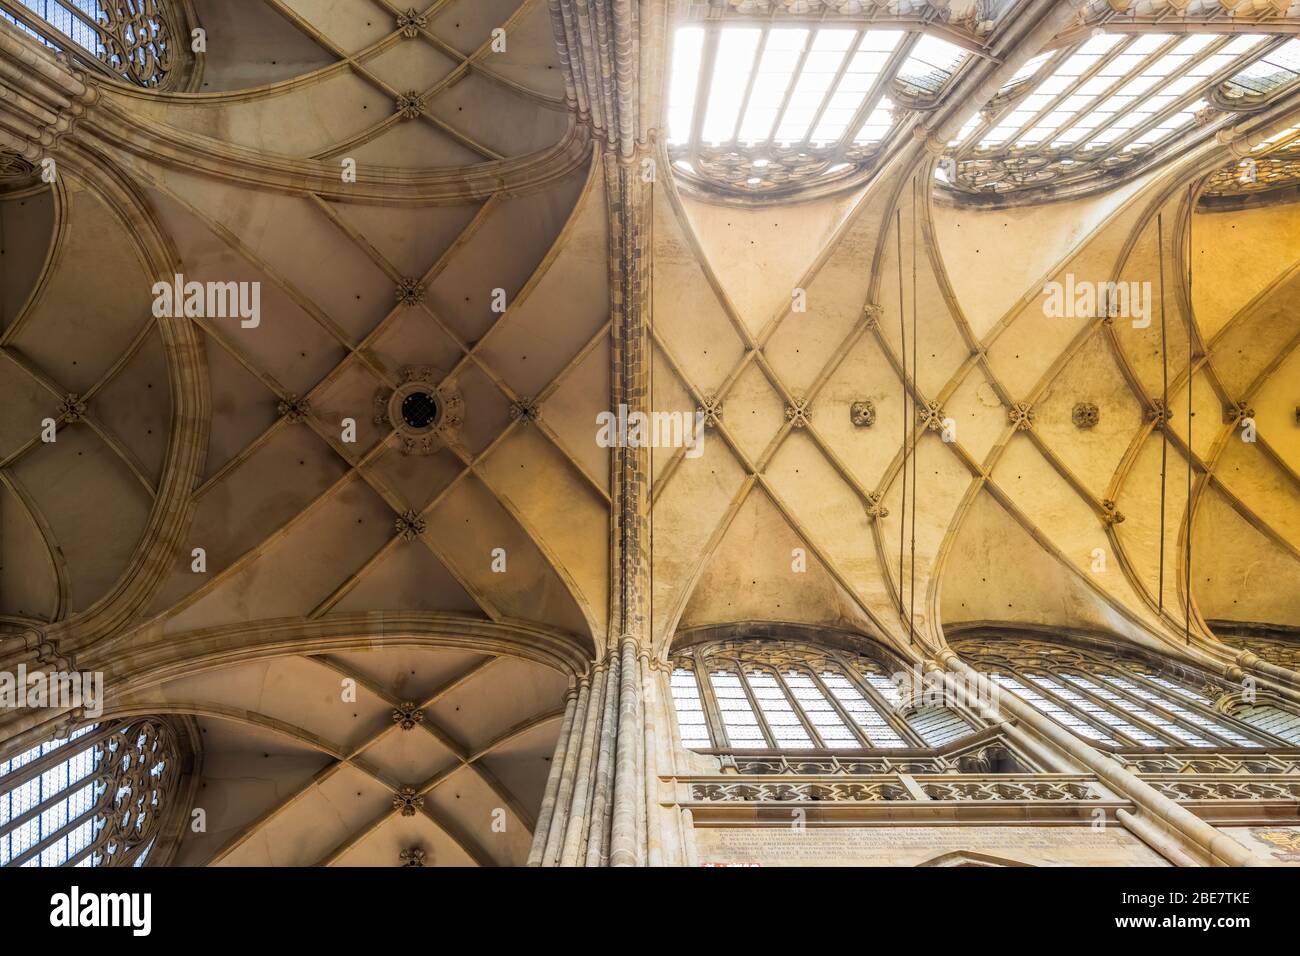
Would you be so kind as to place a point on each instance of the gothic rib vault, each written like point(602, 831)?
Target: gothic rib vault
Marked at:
point(518, 584)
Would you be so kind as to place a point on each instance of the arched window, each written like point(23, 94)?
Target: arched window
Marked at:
point(96, 798)
point(1257, 83)
point(140, 41)
point(1116, 701)
point(766, 108)
point(1092, 110)
point(789, 696)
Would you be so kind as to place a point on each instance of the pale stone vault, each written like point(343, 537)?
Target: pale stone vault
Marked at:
point(963, 527)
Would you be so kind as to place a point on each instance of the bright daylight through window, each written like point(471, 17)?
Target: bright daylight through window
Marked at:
point(755, 109)
point(1082, 111)
point(768, 110)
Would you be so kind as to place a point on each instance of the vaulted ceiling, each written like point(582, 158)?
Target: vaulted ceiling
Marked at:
point(177, 439)
point(1007, 517)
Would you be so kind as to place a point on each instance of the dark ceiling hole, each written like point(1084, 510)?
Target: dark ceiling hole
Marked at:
point(419, 409)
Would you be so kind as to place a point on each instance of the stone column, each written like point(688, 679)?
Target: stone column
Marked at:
point(599, 811)
point(629, 201)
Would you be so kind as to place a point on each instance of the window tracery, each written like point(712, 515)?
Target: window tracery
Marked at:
point(764, 108)
point(976, 17)
point(1272, 170)
point(140, 41)
point(789, 696)
point(1281, 647)
point(1119, 702)
point(1190, 12)
point(1262, 79)
point(1105, 107)
point(96, 798)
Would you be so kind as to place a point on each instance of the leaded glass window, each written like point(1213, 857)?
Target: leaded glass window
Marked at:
point(1116, 701)
point(786, 696)
point(95, 798)
point(763, 107)
point(1094, 108)
point(1275, 71)
point(135, 40)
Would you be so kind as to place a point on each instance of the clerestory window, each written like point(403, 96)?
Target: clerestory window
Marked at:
point(787, 696)
point(1084, 113)
point(759, 109)
point(1119, 702)
point(1271, 74)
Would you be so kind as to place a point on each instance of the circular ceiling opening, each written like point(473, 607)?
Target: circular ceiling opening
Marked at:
point(420, 409)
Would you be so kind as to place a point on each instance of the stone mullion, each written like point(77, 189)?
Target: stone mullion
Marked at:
point(704, 79)
point(21, 859)
point(1162, 695)
point(1186, 99)
point(712, 714)
point(1182, 835)
point(795, 76)
point(883, 707)
point(877, 92)
point(85, 59)
point(769, 737)
point(989, 121)
point(1167, 737)
point(1032, 681)
point(834, 701)
point(752, 79)
point(1071, 90)
point(35, 768)
point(1150, 705)
point(796, 706)
point(831, 90)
